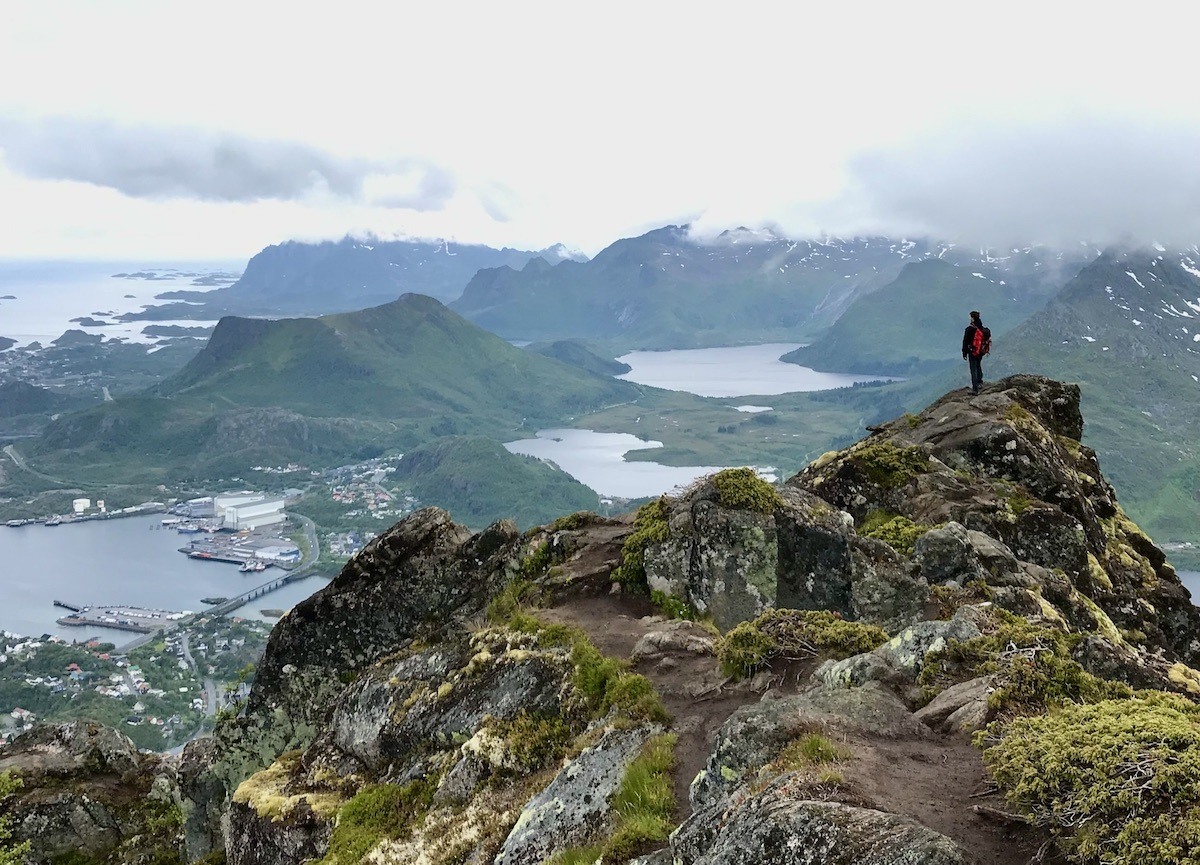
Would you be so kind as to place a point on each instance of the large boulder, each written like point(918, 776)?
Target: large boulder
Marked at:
point(86, 790)
point(774, 826)
point(415, 580)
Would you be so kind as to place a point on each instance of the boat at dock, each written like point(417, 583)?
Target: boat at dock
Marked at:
point(53, 521)
point(253, 566)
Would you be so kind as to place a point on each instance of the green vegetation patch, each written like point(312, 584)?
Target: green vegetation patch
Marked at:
point(377, 813)
point(743, 489)
point(1031, 665)
point(604, 683)
point(1117, 781)
point(649, 527)
point(898, 532)
point(888, 466)
point(10, 853)
point(793, 635)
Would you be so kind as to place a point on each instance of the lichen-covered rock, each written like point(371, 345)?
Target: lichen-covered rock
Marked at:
point(755, 734)
point(396, 714)
point(298, 836)
point(86, 790)
point(774, 827)
point(203, 799)
point(720, 560)
point(907, 650)
point(574, 807)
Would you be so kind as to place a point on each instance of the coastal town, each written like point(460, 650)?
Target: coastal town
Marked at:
point(160, 694)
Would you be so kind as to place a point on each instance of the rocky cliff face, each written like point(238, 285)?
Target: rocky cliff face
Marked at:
point(508, 698)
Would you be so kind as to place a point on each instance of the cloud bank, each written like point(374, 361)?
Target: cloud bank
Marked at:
point(205, 165)
point(1059, 183)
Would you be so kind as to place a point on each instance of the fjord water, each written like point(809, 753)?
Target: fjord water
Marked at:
point(122, 561)
point(49, 294)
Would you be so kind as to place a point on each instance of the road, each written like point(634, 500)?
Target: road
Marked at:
point(314, 547)
point(24, 466)
point(210, 687)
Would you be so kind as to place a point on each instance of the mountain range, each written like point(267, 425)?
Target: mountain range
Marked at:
point(666, 289)
point(296, 278)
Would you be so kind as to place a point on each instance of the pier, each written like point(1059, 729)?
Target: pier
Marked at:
point(72, 607)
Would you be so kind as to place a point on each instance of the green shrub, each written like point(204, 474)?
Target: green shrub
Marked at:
point(572, 522)
point(1030, 664)
point(671, 606)
point(649, 527)
point(793, 635)
point(888, 466)
point(898, 532)
point(743, 489)
point(644, 802)
point(376, 813)
point(634, 696)
point(536, 563)
point(1117, 781)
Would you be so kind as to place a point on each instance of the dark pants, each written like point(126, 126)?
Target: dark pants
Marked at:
point(976, 372)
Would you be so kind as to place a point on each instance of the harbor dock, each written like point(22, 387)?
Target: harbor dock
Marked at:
point(120, 617)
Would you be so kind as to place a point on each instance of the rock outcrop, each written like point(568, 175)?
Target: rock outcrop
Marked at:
point(422, 708)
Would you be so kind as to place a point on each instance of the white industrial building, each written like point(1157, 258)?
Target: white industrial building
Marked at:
point(279, 553)
point(252, 514)
point(80, 505)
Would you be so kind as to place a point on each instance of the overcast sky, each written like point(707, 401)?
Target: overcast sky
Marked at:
point(210, 130)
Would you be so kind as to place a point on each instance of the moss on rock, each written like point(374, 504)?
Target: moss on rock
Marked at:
point(743, 489)
point(793, 635)
point(649, 527)
point(898, 532)
point(888, 466)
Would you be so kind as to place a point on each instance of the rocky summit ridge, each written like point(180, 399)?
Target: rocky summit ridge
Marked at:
point(944, 644)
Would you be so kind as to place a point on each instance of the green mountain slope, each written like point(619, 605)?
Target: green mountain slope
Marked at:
point(478, 481)
point(320, 390)
point(1127, 328)
point(916, 321)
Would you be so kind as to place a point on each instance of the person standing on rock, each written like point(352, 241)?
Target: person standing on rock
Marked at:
point(977, 341)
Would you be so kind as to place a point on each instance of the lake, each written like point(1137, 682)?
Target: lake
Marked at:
point(121, 561)
point(744, 370)
point(49, 294)
point(598, 459)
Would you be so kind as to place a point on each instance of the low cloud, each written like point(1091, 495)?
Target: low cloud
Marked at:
point(159, 163)
point(1101, 181)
